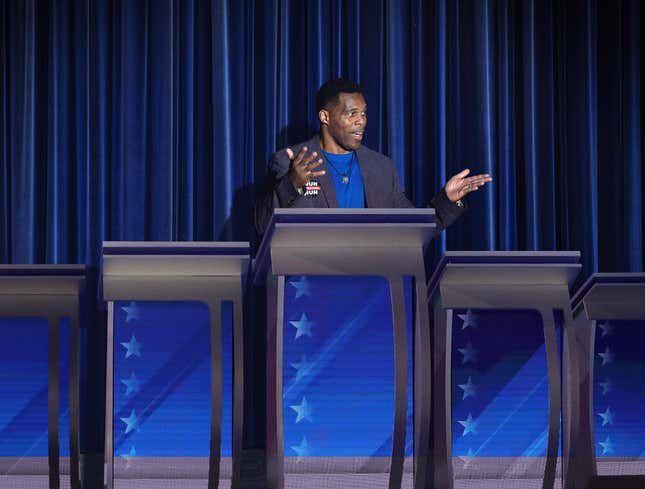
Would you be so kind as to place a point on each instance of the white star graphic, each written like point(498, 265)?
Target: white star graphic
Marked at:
point(302, 368)
point(303, 287)
point(607, 417)
point(132, 347)
point(605, 386)
point(468, 319)
point(469, 353)
point(469, 388)
point(132, 384)
point(129, 456)
point(301, 450)
point(303, 410)
point(131, 312)
point(607, 329)
point(303, 326)
point(607, 356)
point(469, 425)
point(468, 458)
point(131, 422)
point(607, 446)
point(131, 453)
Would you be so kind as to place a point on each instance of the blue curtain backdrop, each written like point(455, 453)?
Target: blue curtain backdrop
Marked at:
point(151, 119)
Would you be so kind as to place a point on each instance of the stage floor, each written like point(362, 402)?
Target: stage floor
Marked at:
point(293, 481)
point(322, 480)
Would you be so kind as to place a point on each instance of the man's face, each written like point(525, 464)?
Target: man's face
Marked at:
point(347, 120)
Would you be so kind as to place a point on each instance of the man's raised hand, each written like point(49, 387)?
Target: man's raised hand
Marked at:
point(302, 166)
point(461, 185)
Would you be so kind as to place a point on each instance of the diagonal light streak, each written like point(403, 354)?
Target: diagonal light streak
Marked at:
point(538, 444)
point(166, 389)
point(519, 465)
point(511, 414)
point(34, 445)
point(200, 352)
point(325, 355)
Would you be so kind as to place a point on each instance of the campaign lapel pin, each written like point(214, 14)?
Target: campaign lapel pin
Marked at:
point(312, 187)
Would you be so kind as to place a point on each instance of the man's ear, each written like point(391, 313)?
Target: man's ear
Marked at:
point(323, 117)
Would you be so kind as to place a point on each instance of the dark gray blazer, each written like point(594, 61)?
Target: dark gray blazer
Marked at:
point(382, 188)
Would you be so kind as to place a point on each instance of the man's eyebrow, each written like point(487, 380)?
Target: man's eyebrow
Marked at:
point(350, 108)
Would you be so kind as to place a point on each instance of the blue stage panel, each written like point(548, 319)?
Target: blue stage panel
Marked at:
point(619, 396)
point(24, 351)
point(338, 374)
point(500, 393)
point(162, 380)
point(24, 356)
point(65, 329)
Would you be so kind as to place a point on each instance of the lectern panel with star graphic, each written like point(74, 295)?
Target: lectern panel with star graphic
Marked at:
point(162, 372)
point(619, 393)
point(500, 392)
point(610, 314)
point(339, 382)
point(24, 351)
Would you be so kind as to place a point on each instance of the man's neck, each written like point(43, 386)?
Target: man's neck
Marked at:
point(328, 144)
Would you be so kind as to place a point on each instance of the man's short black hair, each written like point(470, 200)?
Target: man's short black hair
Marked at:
point(328, 93)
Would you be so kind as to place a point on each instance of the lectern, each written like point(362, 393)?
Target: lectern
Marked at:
point(39, 418)
point(609, 314)
point(498, 323)
point(174, 361)
point(340, 340)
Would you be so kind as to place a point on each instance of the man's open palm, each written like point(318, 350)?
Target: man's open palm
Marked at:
point(461, 184)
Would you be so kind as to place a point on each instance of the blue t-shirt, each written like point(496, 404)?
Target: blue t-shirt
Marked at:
point(352, 193)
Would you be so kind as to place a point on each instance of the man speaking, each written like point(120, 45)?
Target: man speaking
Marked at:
point(333, 169)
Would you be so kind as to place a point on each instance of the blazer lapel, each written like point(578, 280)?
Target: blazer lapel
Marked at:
point(369, 182)
point(325, 181)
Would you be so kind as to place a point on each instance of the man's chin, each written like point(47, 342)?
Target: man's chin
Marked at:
point(353, 145)
point(349, 145)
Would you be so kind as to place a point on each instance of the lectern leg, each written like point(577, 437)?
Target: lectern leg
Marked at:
point(400, 380)
point(422, 383)
point(238, 389)
point(583, 465)
point(74, 449)
point(576, 436)
point(442, 473)
point(109, 399)
point(216, 395)
point(275, 321)
point(53, 452)
point(555, 399)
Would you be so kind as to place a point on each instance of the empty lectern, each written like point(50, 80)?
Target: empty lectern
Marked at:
point(174, 361)
point(498, 319)
point(39, 367)
point(609, 315)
